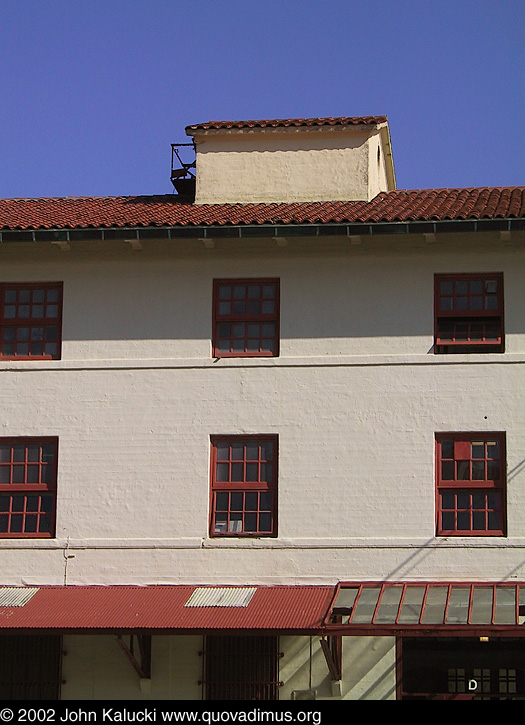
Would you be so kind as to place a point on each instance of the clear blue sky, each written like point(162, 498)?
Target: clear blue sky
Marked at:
point(93, 92)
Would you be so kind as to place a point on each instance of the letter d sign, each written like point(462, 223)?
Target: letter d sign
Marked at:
point(472, 685)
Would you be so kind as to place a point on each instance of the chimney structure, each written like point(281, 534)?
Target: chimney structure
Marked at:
point(292, 160)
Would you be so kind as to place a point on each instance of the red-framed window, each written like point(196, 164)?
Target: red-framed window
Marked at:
point(28, 478)
point(31, 321)
point(471, 484)
point(245, 318)
point(468, 313)
point(244, 486)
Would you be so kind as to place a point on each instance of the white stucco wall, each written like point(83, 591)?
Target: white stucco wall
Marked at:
point(355, 398)
point(95, 668)
point(288, 165)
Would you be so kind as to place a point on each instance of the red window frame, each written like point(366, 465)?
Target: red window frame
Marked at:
point(246, 317)
point(31, 320)
point(28, 482)
point(468, 313)
point(471, 484)
point(244, 486)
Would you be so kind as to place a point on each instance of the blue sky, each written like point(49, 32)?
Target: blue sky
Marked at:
point(93, 92)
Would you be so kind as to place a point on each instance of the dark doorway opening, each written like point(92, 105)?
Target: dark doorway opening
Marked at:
point(30, 667)
point(461, 669)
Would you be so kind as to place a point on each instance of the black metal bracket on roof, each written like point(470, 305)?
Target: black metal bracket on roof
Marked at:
point(182, 177)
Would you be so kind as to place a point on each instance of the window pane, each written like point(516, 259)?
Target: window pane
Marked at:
point(223, 452)
point(478, 521)
point(463, 470)
point(251, 500)
point(252, 472)
point(236, 501)
point(493, 471)
point(223, 471)
point(478, 470)
point(237, 472)
point(221, 500)
point(17, 503)
point(16, 523)
point(476, 303)
point(32, 503)
point(30, 524)
point(265, 501)
point(33, 473)
point(221, 523)
point(448, 500)
point(265, 522)
point(463, 499)
point(237, 450)
point(5, 454)
point(250, 522)
point(447, 471)
point(463, 521)
point(45, 524)
point(18, 474)
point(478, 449)
point(235, 523)
point(252, 451)
point(476, 287)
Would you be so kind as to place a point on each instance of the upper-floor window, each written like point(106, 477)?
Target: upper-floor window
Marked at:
point(245, 318)
point(244, 486)
point(471, 484)
point(468, 312)
point(30, 321)
point(28, 477)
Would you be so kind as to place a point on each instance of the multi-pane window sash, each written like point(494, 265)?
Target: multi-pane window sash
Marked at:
point(30, 321)
point(246, 318)
point(244, 486)
point(471, 484)
point(469, 313)
point(28, 475)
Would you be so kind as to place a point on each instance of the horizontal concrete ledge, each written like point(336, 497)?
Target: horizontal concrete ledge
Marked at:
point(246, 363)
point(468, 542)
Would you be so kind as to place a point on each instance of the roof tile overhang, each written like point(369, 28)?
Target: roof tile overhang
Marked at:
point(394, 208)
point(463, 609)
point(288, 123)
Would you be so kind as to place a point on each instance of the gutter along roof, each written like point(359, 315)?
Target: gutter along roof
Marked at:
point(169, 211)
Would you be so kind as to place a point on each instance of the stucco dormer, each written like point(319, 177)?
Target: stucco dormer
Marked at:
point(293, 160)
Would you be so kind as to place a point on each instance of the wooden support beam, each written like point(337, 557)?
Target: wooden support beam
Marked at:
point(143, 665)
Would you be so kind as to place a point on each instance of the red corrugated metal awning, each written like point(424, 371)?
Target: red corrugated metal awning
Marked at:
point(164, 608)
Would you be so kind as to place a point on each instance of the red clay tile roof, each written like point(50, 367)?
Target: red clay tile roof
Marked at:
point(287, 122)
point(168, 210)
